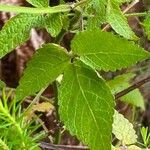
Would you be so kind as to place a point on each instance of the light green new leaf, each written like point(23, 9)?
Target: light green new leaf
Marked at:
point(123, 129)
point(103, 50)
point(39, 3)
point(16, 31)
point(86, 106)
point(118, 21)
point(120, 83)
point(45, 66)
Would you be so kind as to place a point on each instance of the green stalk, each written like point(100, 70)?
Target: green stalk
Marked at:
point(49, 10)
point(136, 14)
point(58, 131)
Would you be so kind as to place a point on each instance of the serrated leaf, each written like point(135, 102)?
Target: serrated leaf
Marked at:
point(45, 66)
point(103, 50)
point(86, 106)
point(16, 31)
point(120, 83)
point(123, 129)
point(96, 9)
point(39, 3)
point(54, 23)
point(118, 21)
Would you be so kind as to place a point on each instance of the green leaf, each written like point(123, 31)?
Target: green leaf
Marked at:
point(39, 3)
point(96, 9)
point(118, 21)
point(16, 31)
point(53, 23)
point(120, 83)
point(45, 66)
point(86, 106)
point(146, 25)
point(132, 147)
point(2, 84)
point(123, 129)
point(103, 50)
point(145, 136)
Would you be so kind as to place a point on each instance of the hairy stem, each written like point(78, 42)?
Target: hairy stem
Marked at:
point(49, 10)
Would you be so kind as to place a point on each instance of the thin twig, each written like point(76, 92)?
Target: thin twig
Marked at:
point(124, 11)
point(131, 88)
point(62, 147)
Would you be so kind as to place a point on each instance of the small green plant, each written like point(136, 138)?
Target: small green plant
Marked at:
point(16, 132)
point(85, 100)
point(145, 136)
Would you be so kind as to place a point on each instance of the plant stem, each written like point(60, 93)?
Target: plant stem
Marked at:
point(58, 131)
point(131, 88)
point(136, 14)
point(50, 10)
point(62, 147)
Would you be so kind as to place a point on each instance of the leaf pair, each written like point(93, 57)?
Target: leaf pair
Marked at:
point(85, 101)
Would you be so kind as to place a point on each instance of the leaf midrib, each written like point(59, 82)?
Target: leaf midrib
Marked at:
point(86, 100)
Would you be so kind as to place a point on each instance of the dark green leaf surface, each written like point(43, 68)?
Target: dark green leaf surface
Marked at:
point(86, 107)
point(103, 50)
point(45, 66)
